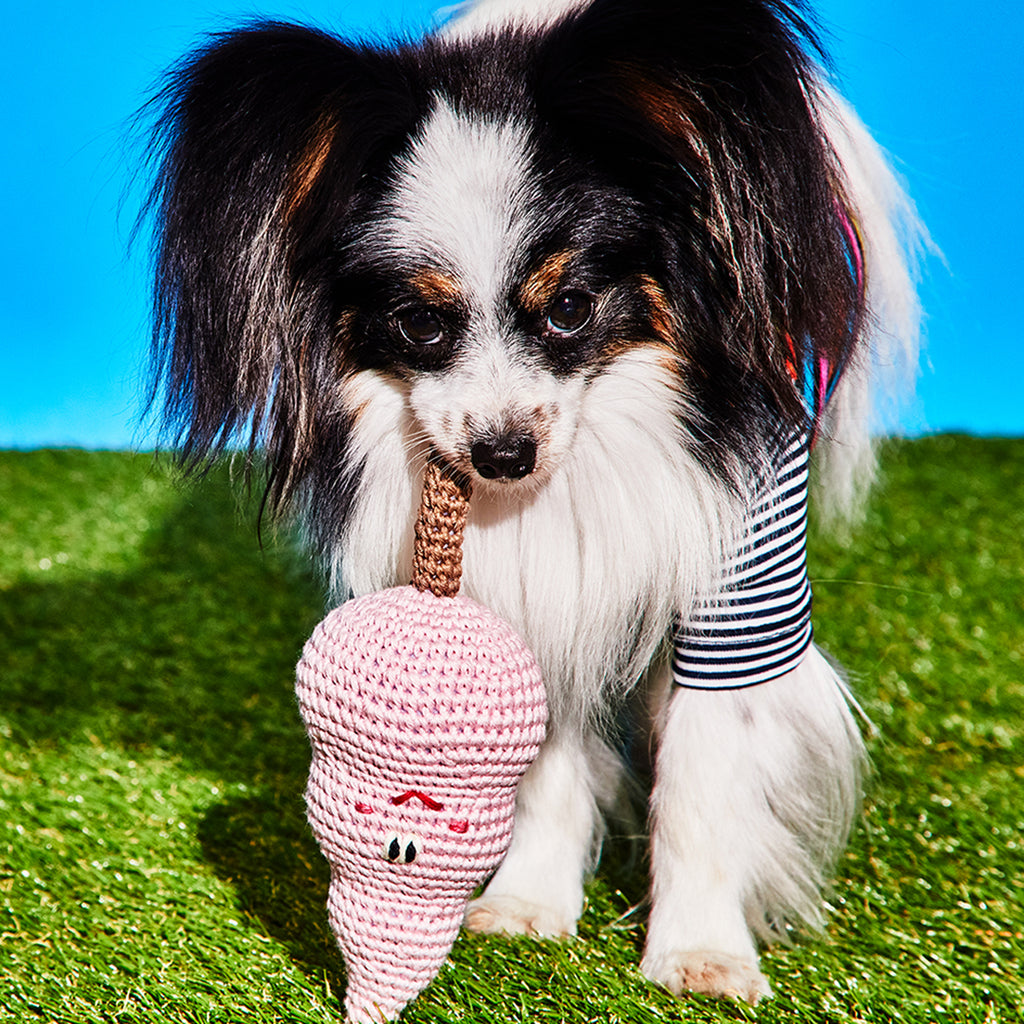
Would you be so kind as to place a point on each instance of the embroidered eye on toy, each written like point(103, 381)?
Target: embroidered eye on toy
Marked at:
point(423, 710)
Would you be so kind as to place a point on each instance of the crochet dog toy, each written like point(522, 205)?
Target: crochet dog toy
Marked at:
point(423, 710)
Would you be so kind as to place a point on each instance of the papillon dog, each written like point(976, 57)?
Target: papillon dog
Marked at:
point(622, 264)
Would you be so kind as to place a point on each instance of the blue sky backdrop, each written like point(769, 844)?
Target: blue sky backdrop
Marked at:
point(941, 87)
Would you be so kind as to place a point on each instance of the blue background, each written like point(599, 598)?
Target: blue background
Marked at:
point(940, 87)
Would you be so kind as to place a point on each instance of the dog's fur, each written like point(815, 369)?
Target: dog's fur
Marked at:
point(588, 253)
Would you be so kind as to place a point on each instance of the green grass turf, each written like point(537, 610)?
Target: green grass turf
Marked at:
point(155, 864)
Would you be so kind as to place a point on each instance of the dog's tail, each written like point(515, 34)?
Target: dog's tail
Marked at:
point(882, 371)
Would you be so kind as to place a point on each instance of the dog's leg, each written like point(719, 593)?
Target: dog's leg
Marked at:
point(754, 794)
point(538, 890)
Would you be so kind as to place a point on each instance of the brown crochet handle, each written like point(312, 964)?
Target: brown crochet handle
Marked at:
point(437, 555)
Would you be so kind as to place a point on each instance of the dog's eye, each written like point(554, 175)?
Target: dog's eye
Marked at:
point(570, 311)
point(420, 325)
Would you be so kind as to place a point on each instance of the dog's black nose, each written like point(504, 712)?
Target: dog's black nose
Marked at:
point(511, 455)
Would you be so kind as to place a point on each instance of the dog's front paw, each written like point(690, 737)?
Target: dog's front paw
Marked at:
point(708, 973)
point(513, 916)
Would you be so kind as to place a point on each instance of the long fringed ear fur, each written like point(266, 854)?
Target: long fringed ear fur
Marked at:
point(708, 109)
point(262, 138)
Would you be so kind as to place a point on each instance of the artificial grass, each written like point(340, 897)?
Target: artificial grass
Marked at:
point(155, 864)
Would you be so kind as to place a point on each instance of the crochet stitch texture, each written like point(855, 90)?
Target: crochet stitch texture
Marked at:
point(423, 713)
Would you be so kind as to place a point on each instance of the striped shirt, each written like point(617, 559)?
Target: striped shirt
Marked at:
point(758, 625)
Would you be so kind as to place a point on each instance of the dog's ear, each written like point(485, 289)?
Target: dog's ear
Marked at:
point(260, 139)
point(709, 106)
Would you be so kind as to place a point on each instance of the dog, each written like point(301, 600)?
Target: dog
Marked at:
point(623, 264)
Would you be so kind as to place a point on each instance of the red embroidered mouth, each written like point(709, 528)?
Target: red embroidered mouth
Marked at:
point(422, 797)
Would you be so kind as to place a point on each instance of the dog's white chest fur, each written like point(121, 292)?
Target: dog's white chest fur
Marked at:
point(591, 565)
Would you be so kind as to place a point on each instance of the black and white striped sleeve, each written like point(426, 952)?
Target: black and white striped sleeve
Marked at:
point(757, 626)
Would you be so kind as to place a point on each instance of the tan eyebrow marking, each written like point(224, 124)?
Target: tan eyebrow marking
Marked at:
point(541, 286)
point(436, 287)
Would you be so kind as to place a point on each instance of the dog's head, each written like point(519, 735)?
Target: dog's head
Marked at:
point(493, 223)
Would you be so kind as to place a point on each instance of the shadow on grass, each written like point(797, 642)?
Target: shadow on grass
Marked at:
point(191, 654)
point(262, 847)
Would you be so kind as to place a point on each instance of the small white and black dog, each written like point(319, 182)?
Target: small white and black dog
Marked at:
point(620, 262)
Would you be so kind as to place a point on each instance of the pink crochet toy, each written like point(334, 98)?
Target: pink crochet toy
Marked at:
point(424, 710)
